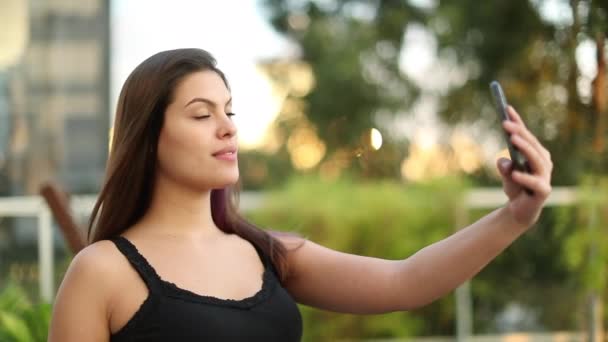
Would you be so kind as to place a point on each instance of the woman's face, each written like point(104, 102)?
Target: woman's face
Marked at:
point(197, 125)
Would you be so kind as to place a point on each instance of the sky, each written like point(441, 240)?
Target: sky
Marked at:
point(234, 31)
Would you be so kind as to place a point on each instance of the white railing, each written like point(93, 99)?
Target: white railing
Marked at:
point(34, 206)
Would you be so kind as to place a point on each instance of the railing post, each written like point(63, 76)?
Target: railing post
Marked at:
point(464, 306)
point(45, 254)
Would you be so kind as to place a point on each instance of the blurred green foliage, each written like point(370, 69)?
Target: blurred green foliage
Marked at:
point(586, 248)
point(542, 271)
point(380, 219)
point(20, 319)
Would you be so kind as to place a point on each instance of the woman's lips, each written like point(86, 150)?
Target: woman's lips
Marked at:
point(230, 156)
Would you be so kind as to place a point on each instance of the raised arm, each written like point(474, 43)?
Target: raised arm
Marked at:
point(343, 282)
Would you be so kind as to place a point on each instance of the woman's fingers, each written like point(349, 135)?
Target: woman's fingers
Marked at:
point(538, 184)
point(516, 126)
point(537, 162)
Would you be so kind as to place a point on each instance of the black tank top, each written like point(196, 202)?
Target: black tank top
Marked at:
point(170, 313)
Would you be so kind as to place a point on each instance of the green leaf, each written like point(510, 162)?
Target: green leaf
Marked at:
point(15, 327)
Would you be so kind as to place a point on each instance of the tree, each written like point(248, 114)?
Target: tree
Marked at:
point(353, 49)
point(354, 65)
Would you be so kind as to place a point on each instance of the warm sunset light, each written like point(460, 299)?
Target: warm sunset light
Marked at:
point(376, 139)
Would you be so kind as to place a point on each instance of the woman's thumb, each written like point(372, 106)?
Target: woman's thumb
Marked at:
point(504, 166)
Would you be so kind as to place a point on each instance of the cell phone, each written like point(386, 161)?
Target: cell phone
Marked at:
point(500, 102)
point(520, 162)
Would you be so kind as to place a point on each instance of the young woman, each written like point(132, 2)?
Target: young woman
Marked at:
point(170, 259)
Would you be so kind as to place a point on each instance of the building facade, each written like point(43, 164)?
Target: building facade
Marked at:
point(54, 115)
point(54, 94)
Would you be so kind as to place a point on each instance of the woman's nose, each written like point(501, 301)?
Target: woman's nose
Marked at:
point(227, 128)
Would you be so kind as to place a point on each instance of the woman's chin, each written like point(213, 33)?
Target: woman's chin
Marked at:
point(226, 182)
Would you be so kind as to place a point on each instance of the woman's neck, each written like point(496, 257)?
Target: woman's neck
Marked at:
point(179, 211)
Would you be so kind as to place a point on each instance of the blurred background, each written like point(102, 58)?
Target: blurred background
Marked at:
point(366, 126)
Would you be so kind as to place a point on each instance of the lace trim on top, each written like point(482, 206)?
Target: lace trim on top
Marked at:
point(170, 289)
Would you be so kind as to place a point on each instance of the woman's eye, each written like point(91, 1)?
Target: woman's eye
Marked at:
point(201, 117)
point(231, 114)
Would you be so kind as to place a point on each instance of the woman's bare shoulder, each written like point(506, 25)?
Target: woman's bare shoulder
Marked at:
point(98, 261)
point(85, 293)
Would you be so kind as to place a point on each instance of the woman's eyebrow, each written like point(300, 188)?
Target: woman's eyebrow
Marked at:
point(207, 101)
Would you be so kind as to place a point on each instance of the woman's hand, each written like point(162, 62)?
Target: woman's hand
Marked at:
point(524, 208)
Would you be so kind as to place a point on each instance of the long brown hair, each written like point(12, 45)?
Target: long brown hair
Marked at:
point(127, 190)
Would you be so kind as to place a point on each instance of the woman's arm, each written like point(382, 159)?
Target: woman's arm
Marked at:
point(343, 282)
point(80, 311)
